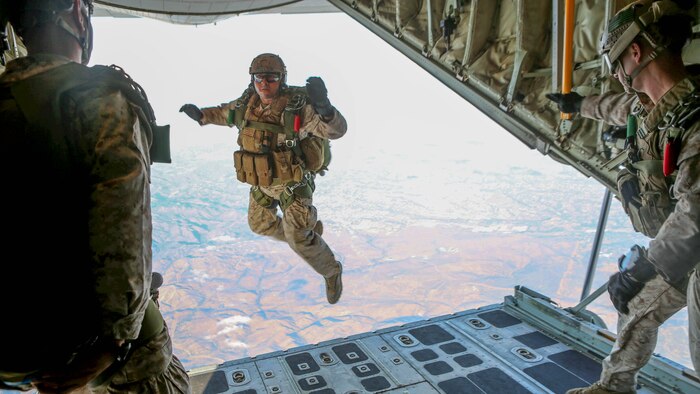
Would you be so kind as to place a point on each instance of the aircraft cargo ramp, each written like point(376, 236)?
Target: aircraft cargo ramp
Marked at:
point(527, 344)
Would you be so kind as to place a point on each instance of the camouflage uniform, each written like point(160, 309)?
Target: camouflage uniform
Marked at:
point(675, 250)
point(611, 107)
point(296, 226)
point(80, 216)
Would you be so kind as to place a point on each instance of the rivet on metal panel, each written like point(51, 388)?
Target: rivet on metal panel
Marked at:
point(326, 358)
point(238, 377)
point(477, 323)
point(526, 354)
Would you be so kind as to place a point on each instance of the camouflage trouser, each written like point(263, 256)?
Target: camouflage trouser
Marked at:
point(295, 227)
point(637, 332)
point(694, 319)
point(151, 368)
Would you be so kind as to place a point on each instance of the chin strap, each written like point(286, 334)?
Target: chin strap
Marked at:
point(84, 42)
point(658, 50)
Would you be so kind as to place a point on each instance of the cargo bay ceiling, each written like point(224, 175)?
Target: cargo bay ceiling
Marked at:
point(502, 56)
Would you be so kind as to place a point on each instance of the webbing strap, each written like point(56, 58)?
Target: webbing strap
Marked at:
point(289, 132)
point(261, 198)
point(630, 138)
point(649, 166)
point(235, 117)
point(274, 128)
point(291, 135)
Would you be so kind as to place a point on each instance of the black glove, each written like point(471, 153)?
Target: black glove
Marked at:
point(622, 288)
point(636, 264)
point(568, 103)
point(156, 283)
point(628, 186)
point(318, 96)
point(635, 271)
point(192, 111)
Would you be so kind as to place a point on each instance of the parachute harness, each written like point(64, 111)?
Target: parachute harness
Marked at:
point(675, 123)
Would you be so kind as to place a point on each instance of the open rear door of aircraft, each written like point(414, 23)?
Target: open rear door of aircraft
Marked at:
point(504, 56)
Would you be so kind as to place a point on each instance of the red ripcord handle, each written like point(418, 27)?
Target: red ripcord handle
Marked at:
point(670, 156)
point(297, 123)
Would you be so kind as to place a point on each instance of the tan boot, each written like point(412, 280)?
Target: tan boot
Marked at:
point(334, 286)
point(597, 388)
point(318, 228)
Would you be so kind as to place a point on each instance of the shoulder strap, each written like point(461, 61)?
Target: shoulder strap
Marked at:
point(683, 115)
point(39, 97)
point(649, 167)
point(292, 116)
point(237, 114)
point(691, 111)
point(678, 124)
point(115, 76)
point(274, 128)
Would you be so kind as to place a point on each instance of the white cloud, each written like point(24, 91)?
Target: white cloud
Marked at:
point(199, 276)
point(236, 344)
point(231, 324)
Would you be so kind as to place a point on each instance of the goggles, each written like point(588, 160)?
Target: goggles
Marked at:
point(270, 78)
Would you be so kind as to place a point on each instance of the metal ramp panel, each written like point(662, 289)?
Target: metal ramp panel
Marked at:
point(527, 344)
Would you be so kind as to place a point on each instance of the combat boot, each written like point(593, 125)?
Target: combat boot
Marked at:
point(318, 228)
point(334, 286)
point(597, 388)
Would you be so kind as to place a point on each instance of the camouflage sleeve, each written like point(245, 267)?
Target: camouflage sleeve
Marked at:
point(120, 213)
point(676, 249)
point(610, 107)
point(314, 124)
point(217, 115)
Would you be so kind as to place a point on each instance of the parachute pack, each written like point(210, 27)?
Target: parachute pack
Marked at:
point(32, 97)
